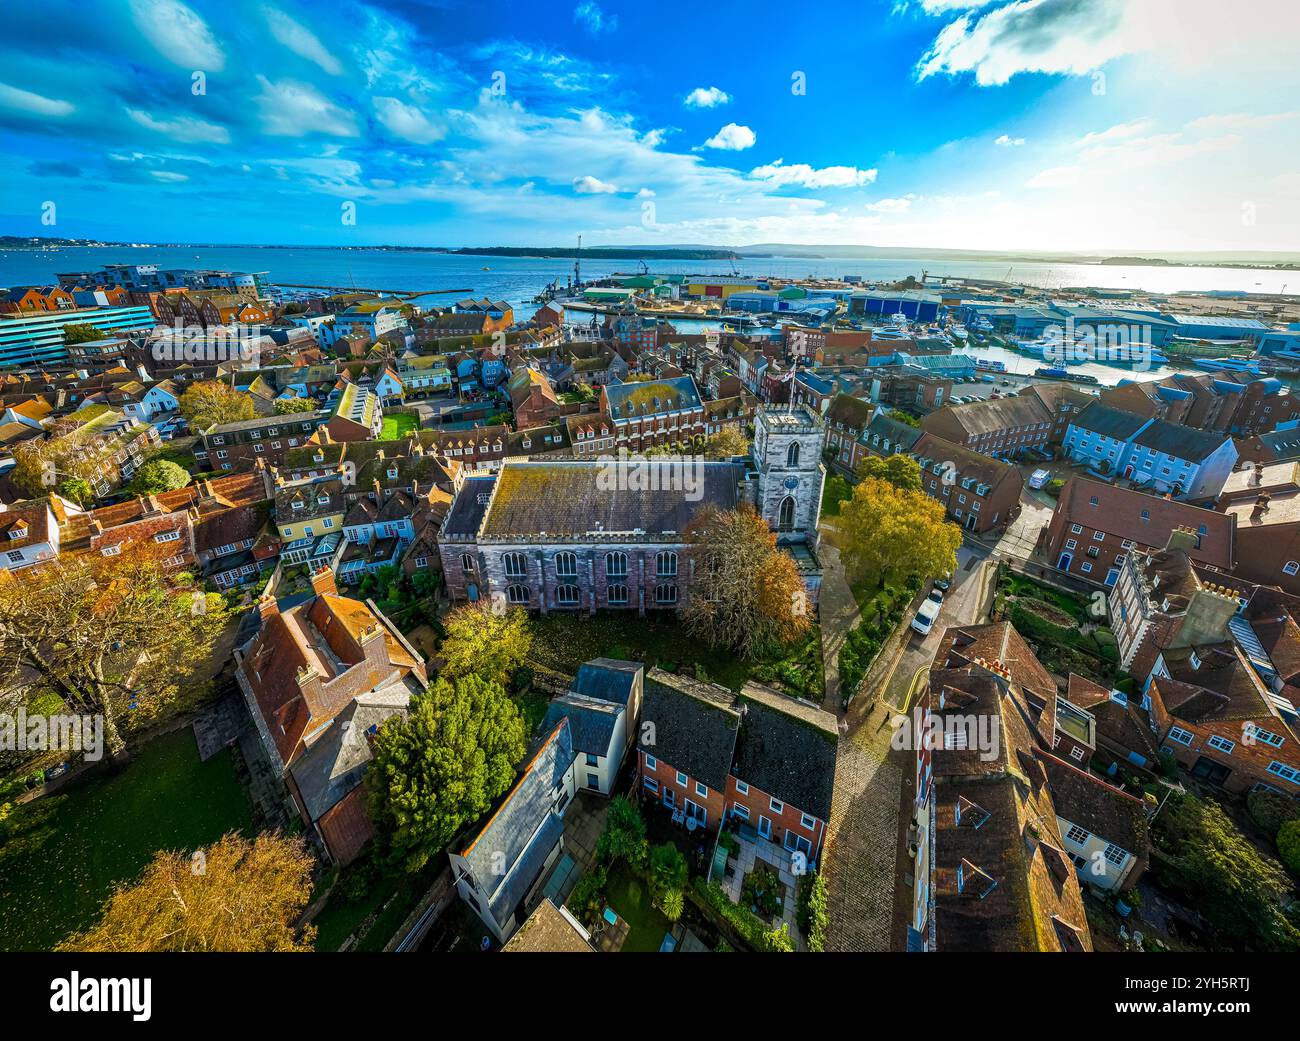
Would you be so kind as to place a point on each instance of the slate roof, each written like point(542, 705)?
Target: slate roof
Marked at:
point(591, 721)
point(608, 679)
point(693, 726)
point(786, 748)
point(524, 828)
point(633, 400)
point(585, 497)
point(1181, 442)
point(467, 511)
point(1109, 422)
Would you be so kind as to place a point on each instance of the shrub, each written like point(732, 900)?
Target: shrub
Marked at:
point(812, 912)
point(746, 924)
point(1271, 810)
point(588, 897)
point(1288, 845)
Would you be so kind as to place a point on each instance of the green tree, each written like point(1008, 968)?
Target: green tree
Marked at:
point(483, 640)
point(290, 406)
point(78, 490)
point(728, 441)
point(885, 532)
point(899, 470)
point(623, 837)
point(442, 766)
point(236, 895)
point(159, 475)
point(1288, 845)
point(80, 332)
point(1238, 889)
point(667, 879)
point(904, 417)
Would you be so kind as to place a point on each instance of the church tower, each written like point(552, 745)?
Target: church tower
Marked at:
point(788, 442)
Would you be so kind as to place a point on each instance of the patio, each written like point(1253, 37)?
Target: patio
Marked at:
point(754, 851)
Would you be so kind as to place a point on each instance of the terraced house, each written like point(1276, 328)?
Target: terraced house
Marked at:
point(977, 491)
point(1002, 428)
point(588, 535)
point(653, 413)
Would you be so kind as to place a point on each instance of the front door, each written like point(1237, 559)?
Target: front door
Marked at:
point(764, 827)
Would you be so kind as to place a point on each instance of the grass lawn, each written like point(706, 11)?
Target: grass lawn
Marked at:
point(61, 856)
point(397, 425)
point(562, 642)
point(630, 898)
point(382, 895)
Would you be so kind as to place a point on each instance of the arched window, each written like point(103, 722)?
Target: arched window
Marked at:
point(517, 594)
point(516, 565)
point(792, 454)
point(566, 565)
point(467, 563)
point(666, 565)
point(616, 566)
point(785, 518)
point(666, 594)
point(616, 595)
point(567, 595)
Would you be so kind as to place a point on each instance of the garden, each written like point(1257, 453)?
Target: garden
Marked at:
point(1067, 635)
point(61, 855)
point(397, 425)
point(882, 612)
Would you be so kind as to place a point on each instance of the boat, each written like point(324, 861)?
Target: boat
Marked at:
point(990, 365)
point(1064, 374)
point(1246, 366)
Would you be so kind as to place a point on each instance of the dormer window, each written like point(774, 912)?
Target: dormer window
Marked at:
point(19, 530)
point(324, 500)
point(971, 881)
point(392, 473)
point(1194, 660)
point(970, 814)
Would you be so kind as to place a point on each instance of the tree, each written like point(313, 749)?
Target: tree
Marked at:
point(80, 332)
point(78, 490)
point(623, 837)
point(159, 475)
point(667, 879)
point(899, 470)
point(484, 641)
point(745, 593)
point(440, 767)
point(291, 406)
point(885, 532)
point(235, 895)
point(906, 418)
point(1288, 845)
point(210, 402)
point(108, 635)
point(725, 443)
point(1238, 889)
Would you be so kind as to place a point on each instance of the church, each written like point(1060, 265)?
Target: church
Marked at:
point(608, 533)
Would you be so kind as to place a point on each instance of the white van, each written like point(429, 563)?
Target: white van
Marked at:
point(925, 616)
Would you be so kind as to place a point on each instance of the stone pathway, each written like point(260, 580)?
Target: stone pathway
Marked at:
point(778, 860)
point(859, 862)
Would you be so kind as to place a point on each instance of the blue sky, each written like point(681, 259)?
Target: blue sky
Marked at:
point(1009, 124)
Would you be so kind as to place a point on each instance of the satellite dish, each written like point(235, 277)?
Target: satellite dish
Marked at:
point(691, 824)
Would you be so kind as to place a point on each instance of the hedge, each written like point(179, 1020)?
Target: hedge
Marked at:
point(748, 926)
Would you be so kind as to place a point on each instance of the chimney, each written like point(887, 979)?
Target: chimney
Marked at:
point(1183, 539)
point(378, 490)
point(267, 607)
point(322, 582)
point(323, 434)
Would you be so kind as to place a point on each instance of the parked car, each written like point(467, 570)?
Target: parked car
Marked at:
point(943, 582)
point(1039, 479)
point(925, 616)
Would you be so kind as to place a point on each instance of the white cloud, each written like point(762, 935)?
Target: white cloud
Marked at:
point(290, 109)
point(1007, 141)
point(168, 176)
point(178, 34)
point(36, 104)
point(181, 128)
point(301, 40)
point(809, 177)
point(1240, 121)
point(592, 19)
point(899, 205)
point(732, 138)
point(707, 97)
point(589, 185)
point(645, 193)
point(1118, 131)
point(407, 121)
point(1054, 177)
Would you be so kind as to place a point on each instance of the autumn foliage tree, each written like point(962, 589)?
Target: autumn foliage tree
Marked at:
point(441, 766)
point(901, 471)
point(745, 593)
point(108, 635)
point(236, 895)
point(886, 532)
point(725, 443)
point(211, 402)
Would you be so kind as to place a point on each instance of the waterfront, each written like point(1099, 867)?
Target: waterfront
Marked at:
point(517, 280)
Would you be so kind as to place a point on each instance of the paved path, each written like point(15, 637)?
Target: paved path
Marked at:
point(838, 613)
point(859, 863)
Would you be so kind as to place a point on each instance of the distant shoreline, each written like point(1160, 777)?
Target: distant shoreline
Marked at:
point(676, 253)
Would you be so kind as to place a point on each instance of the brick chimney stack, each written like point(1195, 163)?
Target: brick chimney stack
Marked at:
point(267, 607)
point(322, 582)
